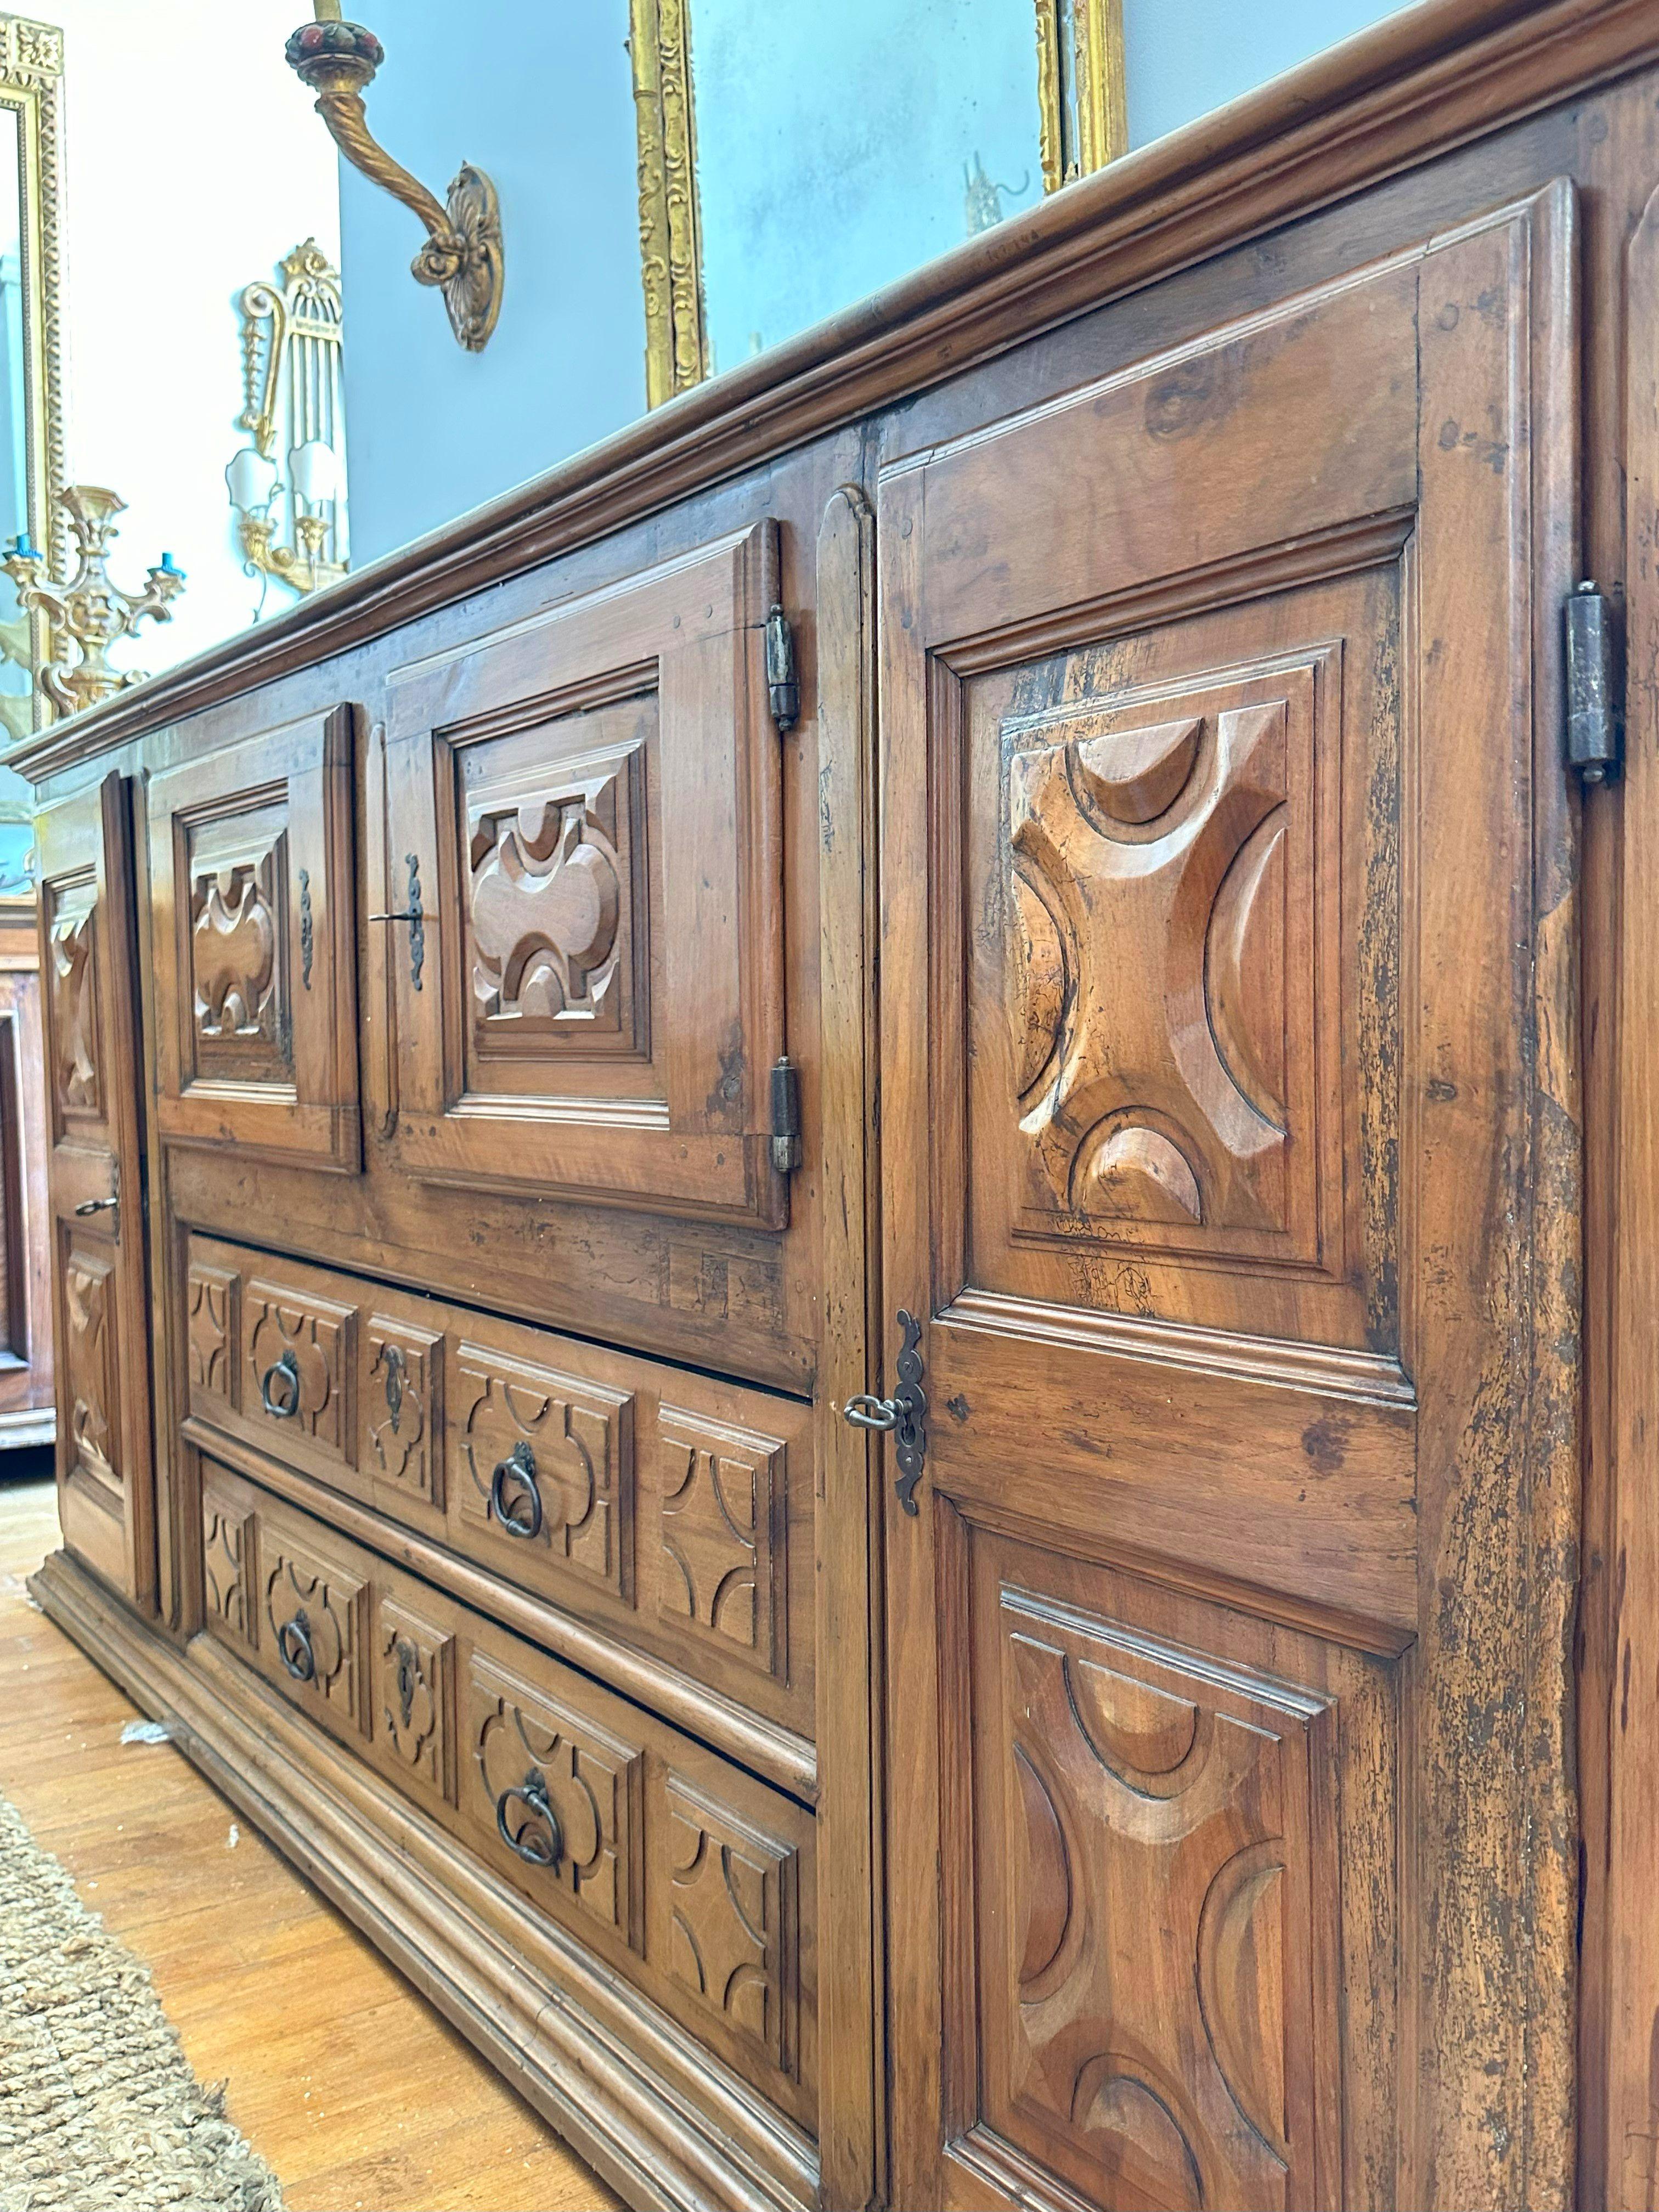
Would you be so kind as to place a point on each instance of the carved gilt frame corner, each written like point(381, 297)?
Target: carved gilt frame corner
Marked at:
point(31, 85)
point(1095, 68)
point(671, 241)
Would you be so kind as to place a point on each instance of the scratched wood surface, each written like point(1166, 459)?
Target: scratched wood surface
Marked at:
point(329, 2055)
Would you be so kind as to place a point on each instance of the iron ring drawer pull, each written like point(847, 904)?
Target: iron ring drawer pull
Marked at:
point(294, 1649)
point(285, 1407)
point(540, 1846)
point(91, 1205)
point(520, 1466)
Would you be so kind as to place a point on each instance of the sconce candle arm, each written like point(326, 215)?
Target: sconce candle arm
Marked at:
point(462, 254)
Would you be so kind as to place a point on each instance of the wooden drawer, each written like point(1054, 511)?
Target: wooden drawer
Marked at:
point(670, 1509)
point(682, 1873)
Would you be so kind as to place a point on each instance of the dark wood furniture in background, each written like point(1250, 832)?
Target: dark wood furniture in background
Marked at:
point(1145, 1012)
point(27, 1403)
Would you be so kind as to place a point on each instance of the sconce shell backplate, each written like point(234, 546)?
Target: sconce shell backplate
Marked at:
point(471, 279)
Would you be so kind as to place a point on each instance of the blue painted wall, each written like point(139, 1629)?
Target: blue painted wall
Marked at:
point(538, 92)
point(832, 146)
point(1184, 57)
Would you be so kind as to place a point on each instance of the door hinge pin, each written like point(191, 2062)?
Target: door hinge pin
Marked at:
point(782, 683)
point(1595, 730)
point(786, 1116)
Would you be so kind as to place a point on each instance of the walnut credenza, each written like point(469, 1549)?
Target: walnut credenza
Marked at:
point(1009, 871)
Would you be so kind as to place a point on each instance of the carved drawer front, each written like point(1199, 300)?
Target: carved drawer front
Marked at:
point(589, 1821)
point(722, 1558)
point(230, 1567)
point(401, 1424)
point(412, 1677)
point(298, 1370)
point(670, 1510)
point(544, 1473)
point(556, 1800)
point(255, 950)
point(690, 1876)
point(313, 1622)
point(585, 811)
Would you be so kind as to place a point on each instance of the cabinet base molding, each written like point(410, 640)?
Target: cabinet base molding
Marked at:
point(607, 2071)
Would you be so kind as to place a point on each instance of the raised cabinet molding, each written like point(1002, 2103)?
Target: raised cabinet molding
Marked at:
point(590, 803)
point(255, 944)
point(1218, 1774)
point(96, 1186)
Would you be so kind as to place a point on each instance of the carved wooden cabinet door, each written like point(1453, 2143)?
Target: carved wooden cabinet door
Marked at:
point(255, 938)
point(1230, 1168)
point(96, 1080)
point(583, 859)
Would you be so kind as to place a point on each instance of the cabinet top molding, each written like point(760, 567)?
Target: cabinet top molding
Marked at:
point(1417, 85)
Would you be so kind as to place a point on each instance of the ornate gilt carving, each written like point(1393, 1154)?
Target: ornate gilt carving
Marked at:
point(733, 1921)
point(721, 1510)
point(1082, 102)
point(591, 1781)
point(579, 1436)
point(671, 245)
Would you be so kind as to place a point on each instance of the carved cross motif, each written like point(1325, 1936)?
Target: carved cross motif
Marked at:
point(234, 952)
point(1148, 1011)
point(721, 1490)
point(1160, 1889)
point(732, 1892)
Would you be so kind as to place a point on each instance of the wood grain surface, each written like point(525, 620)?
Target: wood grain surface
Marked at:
point(329, 2055)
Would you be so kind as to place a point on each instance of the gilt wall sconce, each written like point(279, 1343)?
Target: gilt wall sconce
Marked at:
point(87, 614)
point(463, 255)
point(288, 486)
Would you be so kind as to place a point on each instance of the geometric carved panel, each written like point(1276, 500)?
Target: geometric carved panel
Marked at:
point(299, 1353)
point(556, 916)
point(414, 1671)
point(228, 1566)
point(313, 1613)
point(1159, 970)
point(567, 1451)
point(403, 1407)
point(72, 1000)
point(88, 1354)
point(237, 873)
point(210, 1328)
point(528, 1748)
point(732, 1927)
point(1148, 1945)
point(721, 1508)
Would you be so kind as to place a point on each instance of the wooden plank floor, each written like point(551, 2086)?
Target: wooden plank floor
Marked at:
point(354, 2089)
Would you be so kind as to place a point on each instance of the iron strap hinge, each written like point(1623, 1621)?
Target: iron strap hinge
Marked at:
point(1596, 685)
point(786, 1116)
point(782, 682)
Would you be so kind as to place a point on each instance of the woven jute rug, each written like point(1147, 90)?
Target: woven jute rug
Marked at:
point(99, 2107)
